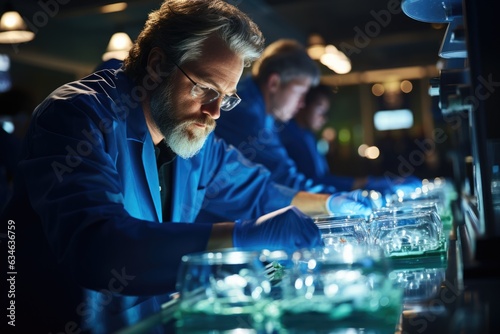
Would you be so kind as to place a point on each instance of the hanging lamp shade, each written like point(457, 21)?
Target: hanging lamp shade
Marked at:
point(118, 47)
point(13, 29)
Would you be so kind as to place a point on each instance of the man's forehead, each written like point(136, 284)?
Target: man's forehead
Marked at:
point(214, 48)
point(218, 65)
point(298, 79)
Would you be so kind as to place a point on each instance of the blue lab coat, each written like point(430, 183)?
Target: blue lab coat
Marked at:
point(302, 147)
point(86, 206)
point(256, 134)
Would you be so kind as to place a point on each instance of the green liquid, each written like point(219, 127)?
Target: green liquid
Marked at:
point(378, 301)
point(222, 313)
point(327, 314)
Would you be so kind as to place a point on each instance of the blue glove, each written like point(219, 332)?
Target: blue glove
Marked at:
point(389, 186)
point(286, 229)
point(356, 202)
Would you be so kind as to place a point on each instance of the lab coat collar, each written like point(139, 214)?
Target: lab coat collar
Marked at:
point(137, 131)
point(129, 105)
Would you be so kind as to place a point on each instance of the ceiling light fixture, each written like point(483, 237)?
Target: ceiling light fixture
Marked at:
point(328, 55)
point(118, 47)
point(114, 7)
point(336, 60)
point(316, 46)
point(13, 29)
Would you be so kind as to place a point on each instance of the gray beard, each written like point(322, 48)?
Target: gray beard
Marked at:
point(182, 140)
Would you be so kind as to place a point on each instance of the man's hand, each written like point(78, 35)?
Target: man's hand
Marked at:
point(288, 229)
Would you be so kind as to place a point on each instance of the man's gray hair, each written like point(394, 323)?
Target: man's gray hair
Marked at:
point(179, 28)
point(289, 59)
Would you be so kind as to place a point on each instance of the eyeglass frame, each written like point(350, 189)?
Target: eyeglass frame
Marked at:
point(203, 88)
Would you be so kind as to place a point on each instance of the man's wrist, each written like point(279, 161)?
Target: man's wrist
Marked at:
point(221, 236)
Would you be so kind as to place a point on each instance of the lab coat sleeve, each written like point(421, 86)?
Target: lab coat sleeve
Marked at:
point(239, 188)
point(74, 187)
point(301, 147)
point(245, 129)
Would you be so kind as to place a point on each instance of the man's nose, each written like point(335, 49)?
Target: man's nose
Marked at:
point(212, 109)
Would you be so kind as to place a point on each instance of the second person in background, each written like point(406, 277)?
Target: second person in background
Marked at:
point(271, 96)
point(300, 141)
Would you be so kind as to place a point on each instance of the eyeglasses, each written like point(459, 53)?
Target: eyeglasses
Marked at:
point(208, 95)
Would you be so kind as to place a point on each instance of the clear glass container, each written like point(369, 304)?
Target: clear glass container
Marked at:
point(419, 284)
point(222, 286)
point(336, 290)
point(429, 209)
point(406, 233)
point(339, 231)
point(417, 200)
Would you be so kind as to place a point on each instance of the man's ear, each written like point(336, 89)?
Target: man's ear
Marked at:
point(273, 82)
point(156, 62)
